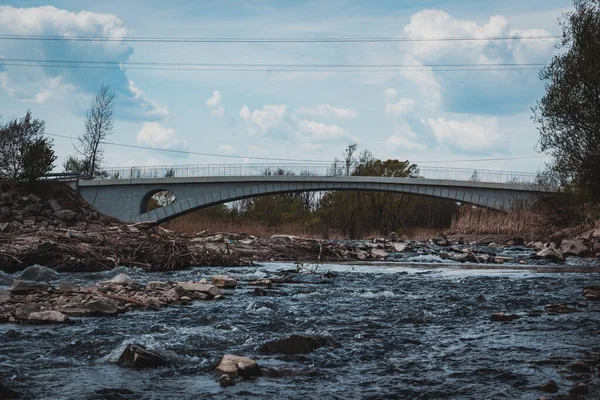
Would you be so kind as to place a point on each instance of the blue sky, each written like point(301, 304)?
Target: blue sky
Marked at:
point(422, 116)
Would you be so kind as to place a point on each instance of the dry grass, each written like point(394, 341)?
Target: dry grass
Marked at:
point(475, 221)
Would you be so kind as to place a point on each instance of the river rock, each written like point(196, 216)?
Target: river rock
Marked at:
point(69, 287)
point(297, 344)
point(176, 293)
point(23, 312)
point(65, 215)
point(550, 254)
point(137, 356)
point(581, 368)
point(199, 287)
point(103, 306)
point(549, 387)
point(39, 273)
point(121, 279)
point(21, 286)
point(8, 393)
point(262, 282)
point(54, 204)
point(400, 247)
point(76, 311)
point(158, 286)
point(225, 380)
point(235, 366)
point(580, 388)
point(47, 317)
point(574, 247)
point(379, 253)
point(502, 317)
point(223, 281)
point(5, 296)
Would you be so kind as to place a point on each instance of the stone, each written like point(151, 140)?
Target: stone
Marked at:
point(235, 366)
point(103, 306)
point(580, 388)
point(33, 209)
point(549, 387)
point(226, 380)
point(121, 279)
point(137, 356)
point(5, 295)
point(8, 393)
point(47, 317)
point(65, 215)
point(282, 239)
point(21, 286)
point(199, 287)
point(54, 204)
point(39, 273)
point(379, 253)
point(574, 247)
point(33, 198)
point(559, 309)
point(361, 255)
point(550, 254)
point(297, 344)
point(400, 247)
point(223, 281)
point(69, 287)
point(5, 211)
point(76, 312)
point(260, 292)
point(25, 310)
point(580, 368)
point(502, 317)
point(262, 282)
point(4, 227)
point(158, 285)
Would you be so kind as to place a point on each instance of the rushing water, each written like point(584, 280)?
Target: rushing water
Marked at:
point(405, 332)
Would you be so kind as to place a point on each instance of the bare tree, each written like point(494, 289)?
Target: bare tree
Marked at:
point(99, 124)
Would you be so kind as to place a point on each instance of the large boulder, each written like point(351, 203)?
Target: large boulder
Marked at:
point(574, 247)
point(47, 317)
point(223, 281)
point(205, 288)
point(235, 366)
point(297, 344)
point(39, 273)
point(550, 254)
point(20, 286)
point(137, 356)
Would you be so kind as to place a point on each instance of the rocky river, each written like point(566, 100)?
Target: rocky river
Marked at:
point(420, 329)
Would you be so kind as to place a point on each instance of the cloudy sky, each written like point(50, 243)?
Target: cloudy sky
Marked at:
point(424, 115)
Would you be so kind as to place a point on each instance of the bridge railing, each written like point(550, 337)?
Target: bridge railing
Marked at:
point(215, 170)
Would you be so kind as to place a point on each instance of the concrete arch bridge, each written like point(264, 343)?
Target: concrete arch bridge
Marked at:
point(126, 196)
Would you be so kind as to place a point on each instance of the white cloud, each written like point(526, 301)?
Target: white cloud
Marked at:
point(226, 149)
point(424, 80)
point(261, 121)
point(218, 112)
point(472, 136)
point(325, 110)
point(155, 135)
point(390, 93)
point(400, 107)
point(318, 131)
point(215, 100)
point(151, 107)
point(398, 142)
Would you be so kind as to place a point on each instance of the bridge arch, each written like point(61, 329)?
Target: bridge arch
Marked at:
point(145, 200)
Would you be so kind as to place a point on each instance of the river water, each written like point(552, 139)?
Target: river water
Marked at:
point(406, 331)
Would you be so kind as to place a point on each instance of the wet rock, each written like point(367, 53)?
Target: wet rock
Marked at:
point(137, 356)
point(69, 287)
point(260, 292)
point(76, 312)
point(559, 309)
point(361, 255)
point(103, 306)
point(297, 344)
point(465, 257)
point(223, 281)
point(199, 287)
point(574, 247)
point(23, 312)
point(5, 296)
point(39, 273)
point(400, 247)
point(581, 368)
point(226, 381)
point(47, 317)
point(580, 388)
point(158, 286)
point(8, 393)
point(549, 387)
point(550, 254)
point(176, 293)
point(235, 366)
point(502, 317)
point(65, 215)
point(591, 293)
point(262, 282)
point(20, 286)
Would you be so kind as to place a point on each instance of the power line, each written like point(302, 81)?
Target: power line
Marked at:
point(285, 159)
point(142, 39)
point(158, 68)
